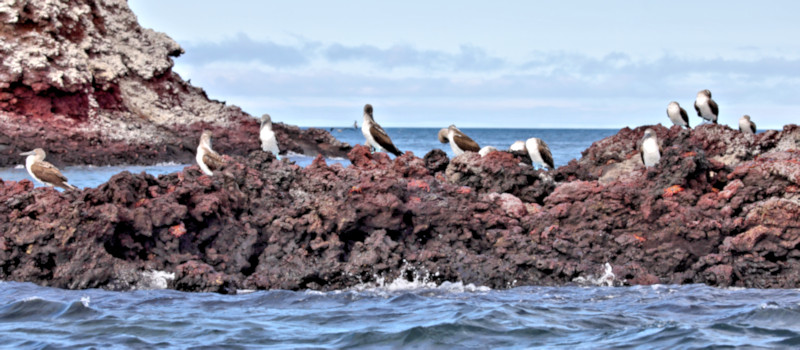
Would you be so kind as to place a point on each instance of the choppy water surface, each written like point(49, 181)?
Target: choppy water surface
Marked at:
point(404, 315)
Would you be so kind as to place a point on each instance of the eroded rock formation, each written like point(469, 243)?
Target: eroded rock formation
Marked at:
point(84, 81)
point(699, 216)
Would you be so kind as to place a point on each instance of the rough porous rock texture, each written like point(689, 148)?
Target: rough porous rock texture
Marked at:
point(84, 81)
point(259, 223)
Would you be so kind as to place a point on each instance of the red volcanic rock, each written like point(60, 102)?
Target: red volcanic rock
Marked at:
point(84, 81)
point(699, 216)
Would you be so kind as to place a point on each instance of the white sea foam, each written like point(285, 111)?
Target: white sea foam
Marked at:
point(85, 300)
point(19, 166)
point(156, 279)
point(421, 280)
point(606, 279)
point(31, 299)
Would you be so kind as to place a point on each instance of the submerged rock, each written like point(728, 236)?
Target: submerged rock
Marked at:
point(266, 224)
point(84, 81)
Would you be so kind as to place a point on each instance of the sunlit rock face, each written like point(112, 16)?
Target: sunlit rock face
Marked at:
point(84, 81)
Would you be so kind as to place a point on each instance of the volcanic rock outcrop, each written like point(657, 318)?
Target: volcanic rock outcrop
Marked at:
point(704, 214)
point(84, 81)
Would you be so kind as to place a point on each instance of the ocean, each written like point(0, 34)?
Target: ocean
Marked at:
point(399, 314)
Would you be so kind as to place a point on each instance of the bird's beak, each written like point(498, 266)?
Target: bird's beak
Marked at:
point(29, 153)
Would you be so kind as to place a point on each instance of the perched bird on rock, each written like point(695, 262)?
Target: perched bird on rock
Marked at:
point(376, 137)
point(44, 172)
point(267, 136)
point(677, 114)
point(746, 125)
point(650, 150)
point(539, 152)
point(207, 158)
point(706, 107)
point(459, 142)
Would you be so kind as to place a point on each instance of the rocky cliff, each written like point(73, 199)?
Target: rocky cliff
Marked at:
point(84, 81)
point(720, 208)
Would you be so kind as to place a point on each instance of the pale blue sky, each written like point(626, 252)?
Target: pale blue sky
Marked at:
point(474, 64)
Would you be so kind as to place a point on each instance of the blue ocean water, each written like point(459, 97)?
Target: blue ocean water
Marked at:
point(450, 316)
point(399, 314)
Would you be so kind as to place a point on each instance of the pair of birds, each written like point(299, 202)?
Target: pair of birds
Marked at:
point(707, 109)
point(378, 139)
point(209, 160)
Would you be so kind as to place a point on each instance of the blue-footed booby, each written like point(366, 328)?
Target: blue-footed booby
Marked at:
point(650, 151)
point(267, 136)
point(44, 172)
point(746, 125)
point(539, 152)
point(706, 107)
point(376, 137)
point(677, 114)
point(459, 142)
point(207, 159)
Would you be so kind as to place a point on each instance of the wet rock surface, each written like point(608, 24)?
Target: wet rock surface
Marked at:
point(260, 223)
point(84, 81)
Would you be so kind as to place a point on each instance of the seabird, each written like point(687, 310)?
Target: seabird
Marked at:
point(706, 107)
point(459, 142)
point(746, 125)
point(677, 114)
point(376, 137)
point(267, 136)
point(44, 172)
point(517, 146)
point(486, 150)
point(539, 152)
point(651, 151)
point(207, 159)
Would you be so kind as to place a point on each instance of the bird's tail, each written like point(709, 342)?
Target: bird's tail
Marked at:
point(69, 187)
point(397, 152)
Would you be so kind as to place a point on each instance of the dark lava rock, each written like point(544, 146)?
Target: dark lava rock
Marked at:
point(260, 223)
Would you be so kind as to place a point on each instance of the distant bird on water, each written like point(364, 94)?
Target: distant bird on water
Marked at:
point(459, 142)
point(267, 136)
point(746, 125)
point(44, 172)
point(650, 150)
point(706, 107)
point(677, 114)
point(376, 137)
point(206, 157)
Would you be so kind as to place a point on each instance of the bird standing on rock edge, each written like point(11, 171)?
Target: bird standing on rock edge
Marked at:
point(206, 157)
point(650, 150)
point(677, 114)
point(376, 137)
point(267, 136)
point(539, 152)
point(746, 125)
point(706, 107)
point(44, 172)
point(459, 142)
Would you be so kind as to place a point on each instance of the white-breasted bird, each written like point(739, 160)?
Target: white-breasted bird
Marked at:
point(539, 152)
point(44, 172)
point(267, 136)
point(706, 107)
point(459, 142)
point(650, 149)
point(746, 125)
point(207, 158)
point(677, 114)
point(377, 138)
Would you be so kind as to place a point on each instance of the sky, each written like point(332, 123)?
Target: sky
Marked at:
point(513, 64)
